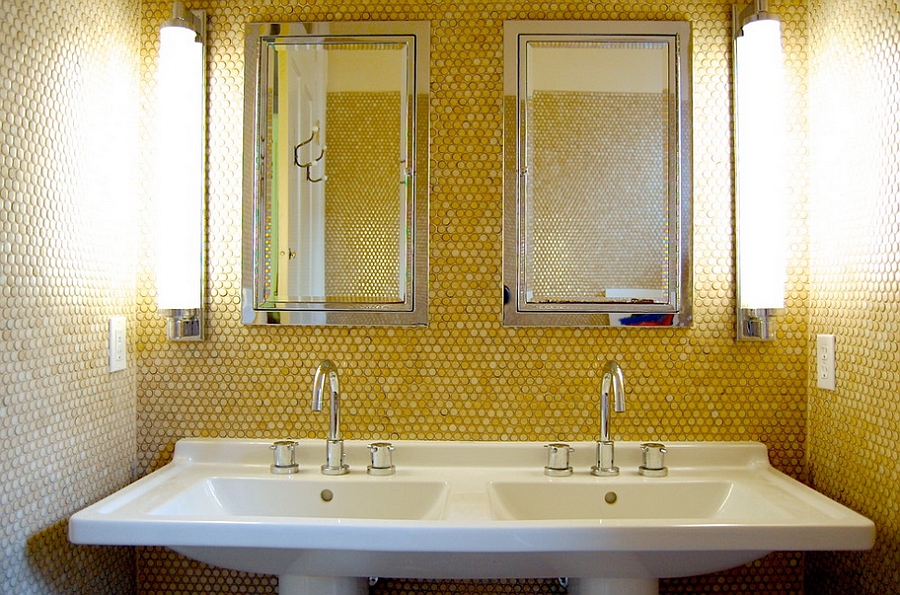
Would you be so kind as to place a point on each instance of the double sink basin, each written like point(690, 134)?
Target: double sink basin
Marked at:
point(472, 510)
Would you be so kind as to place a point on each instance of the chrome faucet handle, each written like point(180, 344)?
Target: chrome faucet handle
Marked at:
point(381, 459)
point(653, 460)
point(284, 455)
point(558, 459)
point(334, 458)
point(606, 464)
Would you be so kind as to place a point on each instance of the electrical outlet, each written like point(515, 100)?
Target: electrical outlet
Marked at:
point(825, 362)
point(117, 343)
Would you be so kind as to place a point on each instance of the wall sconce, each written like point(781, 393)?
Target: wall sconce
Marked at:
point(181, 174)
point(760, 178)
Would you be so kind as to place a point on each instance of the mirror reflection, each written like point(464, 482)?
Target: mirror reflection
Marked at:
point(598, 206)
point(337, 220)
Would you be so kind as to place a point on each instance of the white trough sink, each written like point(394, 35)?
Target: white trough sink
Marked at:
point(472, 510)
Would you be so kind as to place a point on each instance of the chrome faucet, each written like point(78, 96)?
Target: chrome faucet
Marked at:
point(612, 381)
point(334, 446)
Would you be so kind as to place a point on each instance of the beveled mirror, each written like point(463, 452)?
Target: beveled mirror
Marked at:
point(336, 173)
point(597, 205)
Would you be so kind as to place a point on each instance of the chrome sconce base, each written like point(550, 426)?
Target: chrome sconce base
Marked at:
point(756, 325)
point(754, 11)
point(183, 325)
point(189, 19)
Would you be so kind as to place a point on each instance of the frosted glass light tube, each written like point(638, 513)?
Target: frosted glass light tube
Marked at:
point(179, 199)
point(760, 129)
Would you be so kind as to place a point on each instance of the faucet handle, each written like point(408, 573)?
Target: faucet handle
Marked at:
point(653, 460)
point(284, 455)
point(558, 459)
point(381, 459)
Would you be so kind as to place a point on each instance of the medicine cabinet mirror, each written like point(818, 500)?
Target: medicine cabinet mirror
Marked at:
point(597, 205)
point(335, 218)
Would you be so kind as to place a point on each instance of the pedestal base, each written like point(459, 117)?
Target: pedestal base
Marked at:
point(317, 585)
point(613, 586)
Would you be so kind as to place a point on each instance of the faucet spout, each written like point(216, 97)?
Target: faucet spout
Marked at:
point(327, 370)
point(334, 446)
point(612, 383)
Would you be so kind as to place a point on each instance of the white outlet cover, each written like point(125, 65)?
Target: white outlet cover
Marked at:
point(825, 368)
point(117, 348)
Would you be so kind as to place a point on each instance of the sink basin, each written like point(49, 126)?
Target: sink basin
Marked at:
point(583, 499)
point(471, 510)
point(308, 497)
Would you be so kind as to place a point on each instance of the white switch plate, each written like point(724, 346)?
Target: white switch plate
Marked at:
point(825, 362)
point(116, 343)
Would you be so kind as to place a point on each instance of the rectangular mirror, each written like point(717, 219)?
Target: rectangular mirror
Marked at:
point(597, 157)
point(336, 173)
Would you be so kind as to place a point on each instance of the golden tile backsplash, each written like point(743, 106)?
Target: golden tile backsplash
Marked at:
point(464, 376)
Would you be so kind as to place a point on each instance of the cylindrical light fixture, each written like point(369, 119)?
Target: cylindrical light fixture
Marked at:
point(181, 174)
point(760, 131)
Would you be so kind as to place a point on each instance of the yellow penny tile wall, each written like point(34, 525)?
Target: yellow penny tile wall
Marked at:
point(69, 193)
point(73, 184)
point(465, 376)
point(855, 272)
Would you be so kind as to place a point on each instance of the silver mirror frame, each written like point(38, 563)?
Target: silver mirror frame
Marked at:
point(414, 310)
point(516, 310)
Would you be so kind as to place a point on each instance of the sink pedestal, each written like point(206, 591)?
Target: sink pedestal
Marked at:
point(613, 586)
point(318, 585)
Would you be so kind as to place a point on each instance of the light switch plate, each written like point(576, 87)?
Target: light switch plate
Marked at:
point(117, 343)
point(825, 374)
